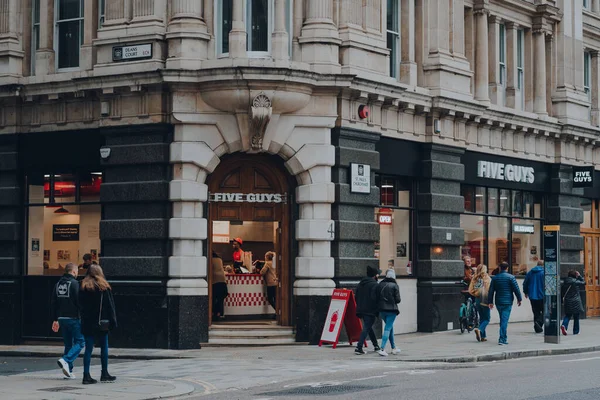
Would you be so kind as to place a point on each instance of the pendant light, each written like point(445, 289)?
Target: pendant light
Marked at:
point(61, 210)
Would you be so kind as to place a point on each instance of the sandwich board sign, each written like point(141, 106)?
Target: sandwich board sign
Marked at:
point(342, 309)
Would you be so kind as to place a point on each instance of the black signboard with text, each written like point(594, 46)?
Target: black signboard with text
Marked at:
point(583, 177)
point(552, 298)
point(65, 233)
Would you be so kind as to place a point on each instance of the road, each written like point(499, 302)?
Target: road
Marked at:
point(573, 377)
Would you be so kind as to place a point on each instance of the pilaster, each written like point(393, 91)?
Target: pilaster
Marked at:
point(187, 35)
point(408, 64)
point(595, 88)
point(280, 36)
point(11, 47)
point(319, 40)
point(495, 88)
point(513, 94)
point(237, 35)
point(480, 13)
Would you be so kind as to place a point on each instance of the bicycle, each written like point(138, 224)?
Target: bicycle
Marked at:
point(468, 316)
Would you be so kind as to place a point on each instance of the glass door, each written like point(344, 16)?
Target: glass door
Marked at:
point(592, 274)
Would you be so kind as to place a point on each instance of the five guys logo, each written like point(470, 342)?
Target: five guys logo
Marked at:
point(583, 177)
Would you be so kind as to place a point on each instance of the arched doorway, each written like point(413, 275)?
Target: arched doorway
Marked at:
point(249, 197)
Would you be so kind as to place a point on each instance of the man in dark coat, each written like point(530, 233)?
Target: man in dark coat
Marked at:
point(366, 308)
point(533, 289)
point(505, 287)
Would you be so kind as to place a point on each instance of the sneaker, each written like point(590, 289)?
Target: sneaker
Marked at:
point(382, 353)
point(70, 377)
point(396, 351)
point(483, 339)
point(538, 328)
point(65, 367)
point(563, 330)
point(359, 351)
point(502, 343)
point(478, 334)
point(376, 348)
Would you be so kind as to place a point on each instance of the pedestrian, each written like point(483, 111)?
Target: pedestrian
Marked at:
point(366, 308)
point(479, 288)
point(505, 287)
point(388, 300)
point(98, 317)
point(572, 301)
point(468, 270)
point(533, 289)
point(219, 287)
point(66, 317)
point(270, 276)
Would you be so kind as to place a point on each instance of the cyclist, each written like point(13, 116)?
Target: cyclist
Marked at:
point(479, 288)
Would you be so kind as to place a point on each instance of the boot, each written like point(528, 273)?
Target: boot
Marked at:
point(88, 380)
point(106, 377)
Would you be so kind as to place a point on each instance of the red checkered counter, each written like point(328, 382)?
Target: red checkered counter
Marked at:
point(247, 295)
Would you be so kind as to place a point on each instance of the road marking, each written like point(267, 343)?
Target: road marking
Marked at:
point(582, 359)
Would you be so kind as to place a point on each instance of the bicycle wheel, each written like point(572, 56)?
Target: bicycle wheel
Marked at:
point(463, 325)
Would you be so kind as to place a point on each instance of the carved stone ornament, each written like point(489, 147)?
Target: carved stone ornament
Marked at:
point(260, 115)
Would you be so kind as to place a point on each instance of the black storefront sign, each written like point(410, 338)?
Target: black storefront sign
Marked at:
point(552, 295)
point(583, 177)
point(505, 172)
point(65, 233)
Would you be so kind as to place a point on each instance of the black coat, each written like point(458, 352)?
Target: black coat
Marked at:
point(65, 298)
point(366, 297)
point(388, 296)
point(571, 296)
point(89, 301)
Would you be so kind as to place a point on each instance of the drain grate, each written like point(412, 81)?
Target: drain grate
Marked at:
point(322, 390)
point(60, 389)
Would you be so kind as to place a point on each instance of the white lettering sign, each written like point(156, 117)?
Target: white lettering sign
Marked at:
point(121, 53)
point(520, 228)
point(583, 177)
point(360, 178)
point(505, 172)
point(248, 198)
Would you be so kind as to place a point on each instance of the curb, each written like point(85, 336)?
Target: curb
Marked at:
point(508, 355)
point(40, 354)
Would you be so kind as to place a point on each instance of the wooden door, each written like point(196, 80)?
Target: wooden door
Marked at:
point(592, 274)
point(256, 174)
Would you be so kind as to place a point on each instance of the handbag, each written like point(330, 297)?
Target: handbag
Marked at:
point(103, 324)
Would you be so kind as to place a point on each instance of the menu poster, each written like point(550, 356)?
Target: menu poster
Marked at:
point(65, 233)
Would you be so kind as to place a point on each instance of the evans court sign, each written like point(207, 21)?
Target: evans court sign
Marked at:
point(341, 309)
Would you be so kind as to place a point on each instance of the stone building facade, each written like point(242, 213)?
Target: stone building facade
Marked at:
point(170, 90)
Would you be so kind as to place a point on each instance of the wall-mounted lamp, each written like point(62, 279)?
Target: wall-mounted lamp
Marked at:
point(438, 250)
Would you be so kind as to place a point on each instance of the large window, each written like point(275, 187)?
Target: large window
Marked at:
point(35, 32)
point(393, 35)
point(502, 55)
point(101, 13)
point(502, 225)
point(520, 65)
point(396, 218)
point(63, 211)
point(69, 32)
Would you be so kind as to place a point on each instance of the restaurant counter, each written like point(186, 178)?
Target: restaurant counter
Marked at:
point(247, 295)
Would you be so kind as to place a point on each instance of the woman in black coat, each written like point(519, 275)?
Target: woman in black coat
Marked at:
point(98, 317)
point(572, 301)
point(388, 298)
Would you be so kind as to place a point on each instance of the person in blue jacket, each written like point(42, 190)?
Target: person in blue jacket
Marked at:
point(505, 287)
point(533, 289)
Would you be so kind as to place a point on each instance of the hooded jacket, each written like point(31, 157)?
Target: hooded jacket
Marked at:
point(388, 296)
point(366, 297)
point(533, 285)
point(65, 298)
point(571, 295)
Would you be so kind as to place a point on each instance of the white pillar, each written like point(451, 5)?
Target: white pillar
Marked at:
point(237, 35)
point(495, 88)
point(320, 39)
point(481, 56)
point(408, 65)
point(187, 34)
point(596, 6)
point(44, 56)
point(595, 88)
point(511, 67)
point(280, 38)
point(539, 59)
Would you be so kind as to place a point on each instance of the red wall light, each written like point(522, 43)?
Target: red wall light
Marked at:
point(363, 112)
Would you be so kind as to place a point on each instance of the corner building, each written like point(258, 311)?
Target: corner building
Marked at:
point(145, 132)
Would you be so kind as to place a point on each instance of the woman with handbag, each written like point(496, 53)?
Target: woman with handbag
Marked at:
point(572, 302)
point(479, 288)
point(388, 298)
point(98, 317)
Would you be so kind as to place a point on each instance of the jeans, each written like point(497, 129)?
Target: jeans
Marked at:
point(368, 321)
point(388, 331)
point(504, 313)
point(272, 296)
point(74, 342)
point(484, 318)
point(537, 306)
point(219, 294)
point(575, 322)
point(89, 347)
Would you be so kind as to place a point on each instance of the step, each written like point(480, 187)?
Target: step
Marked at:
point(250, 341)
point(250, 332)
point(248, 326)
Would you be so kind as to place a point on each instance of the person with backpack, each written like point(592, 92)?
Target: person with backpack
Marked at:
point(366, 308)
point(572, 301)
point(533, 289)
point(388, 300)
point(479, 288)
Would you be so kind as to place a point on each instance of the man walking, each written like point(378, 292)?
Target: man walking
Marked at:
point(65, 310)
point(505, 287)
point(366, 308)
point(533, 289)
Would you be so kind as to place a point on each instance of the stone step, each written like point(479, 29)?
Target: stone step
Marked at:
point(250, 341)
point(250, 334)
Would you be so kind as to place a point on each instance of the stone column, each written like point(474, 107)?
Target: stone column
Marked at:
point(11, 33)
point(596, 6)
point(320, 40)
point(90, 26)
point(481, 56)
point(595, 88)
point(44, 56)
point(440, 237)
point(237, 35)
point(495, 87)
point(279, 38)
point(187, 34)
point(512, 95)
point(408, 65)
point(539, 62)
point(117, 12)
point(298, 18)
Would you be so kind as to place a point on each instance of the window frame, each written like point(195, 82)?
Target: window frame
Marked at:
point(587, 73)
point(502, 55)
point(35, 28)
point(586, 4)
point(521, 65)
point(395, 50)
point(57, 22)
point(101, 13)
point(270, 27)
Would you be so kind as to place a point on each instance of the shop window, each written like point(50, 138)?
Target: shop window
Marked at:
point(517, 204)
point(493, 203)
point(586, 206)
point(64, 215)
point(526, 240)
point(505, 202)
point(498, 248)
point(69, 32)
point(475, 243)
point(393, 36)
point(480, 199)
point(468, 193)
point(396, 221)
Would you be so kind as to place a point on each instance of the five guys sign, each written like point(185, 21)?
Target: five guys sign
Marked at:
point(583, 177)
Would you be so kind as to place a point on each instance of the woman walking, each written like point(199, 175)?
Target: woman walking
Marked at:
point(572, 301)
point(98, 317)
point(479, 288)
point(219, 287)
point(270, 276)
point(388, 300)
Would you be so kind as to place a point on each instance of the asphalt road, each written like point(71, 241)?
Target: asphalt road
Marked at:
point(573, 377)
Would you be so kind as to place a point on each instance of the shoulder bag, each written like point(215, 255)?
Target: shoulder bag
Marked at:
point(103, 324)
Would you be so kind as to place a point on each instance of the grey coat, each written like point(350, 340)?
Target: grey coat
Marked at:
point(571, 296)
